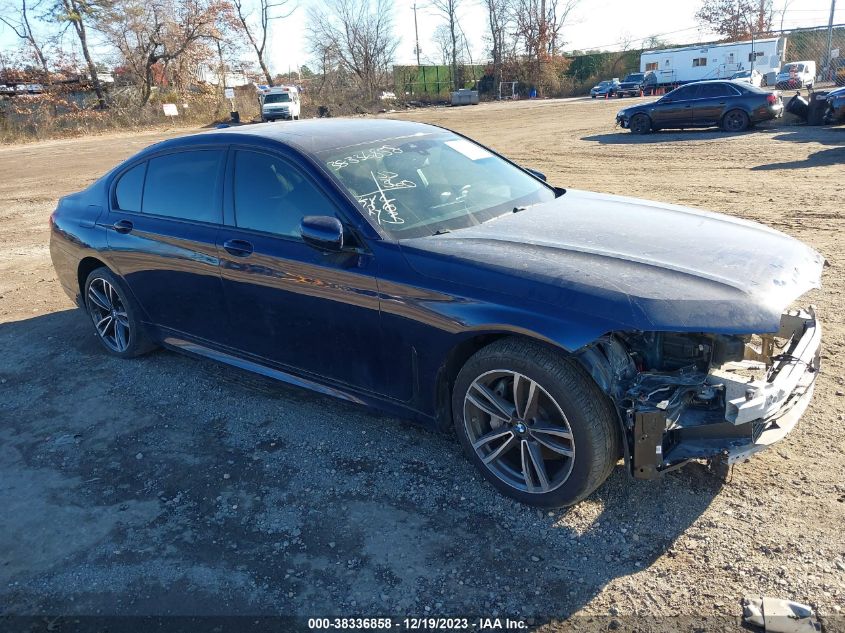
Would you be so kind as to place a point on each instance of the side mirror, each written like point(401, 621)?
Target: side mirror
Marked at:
point(535, 173)
point(323, 232)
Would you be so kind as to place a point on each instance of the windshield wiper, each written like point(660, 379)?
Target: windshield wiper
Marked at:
point(441, 232)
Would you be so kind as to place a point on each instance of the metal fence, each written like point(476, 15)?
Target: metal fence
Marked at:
point(434, 83)
point(820, 45)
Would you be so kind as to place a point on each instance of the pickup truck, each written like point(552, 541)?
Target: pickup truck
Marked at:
point(636, 83)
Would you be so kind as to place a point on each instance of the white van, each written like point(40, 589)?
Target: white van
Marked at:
point(797, 75)
point(280, 102)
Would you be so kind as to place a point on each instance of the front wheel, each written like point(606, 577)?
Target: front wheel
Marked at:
point(735, 121)
point(115, 315)
point(534, 423)
point(640, 124)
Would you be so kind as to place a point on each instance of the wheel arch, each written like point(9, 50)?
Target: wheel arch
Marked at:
point(739, 108)
point(594, 365)
point(86, 266)
point(461, 352)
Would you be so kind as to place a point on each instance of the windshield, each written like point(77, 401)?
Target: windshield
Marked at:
point(604, 84)
point(429, 183)
point(744, 73)
point(634, 77)
point(277, 98)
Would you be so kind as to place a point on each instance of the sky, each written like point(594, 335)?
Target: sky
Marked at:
point(594, 24)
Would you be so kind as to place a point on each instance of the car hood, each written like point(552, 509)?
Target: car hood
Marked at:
point(633, 263)
point(640, 107)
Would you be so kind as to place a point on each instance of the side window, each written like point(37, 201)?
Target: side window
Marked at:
point(686, 92)
point(184, 185)
point(127, 193)
point(271, 195)
point(712, 91)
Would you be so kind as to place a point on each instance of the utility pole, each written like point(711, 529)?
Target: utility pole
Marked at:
point(417, 34)
point(830, 39)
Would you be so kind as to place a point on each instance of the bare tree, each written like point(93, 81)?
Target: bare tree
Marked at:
point(357, 36)
point(79, 13)
point(151, 35)
point(539, 24)
point(268, 10)
point(441, 37)
point(448, 9)
point(17, 16)
point(737, 19)
point(499, 18)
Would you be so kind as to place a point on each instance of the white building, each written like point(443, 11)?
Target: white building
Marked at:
point(714, 61)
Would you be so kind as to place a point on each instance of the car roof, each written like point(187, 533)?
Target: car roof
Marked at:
point(310, 136)
point(738, 84)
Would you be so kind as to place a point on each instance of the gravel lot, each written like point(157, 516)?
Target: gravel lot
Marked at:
point(168, 485)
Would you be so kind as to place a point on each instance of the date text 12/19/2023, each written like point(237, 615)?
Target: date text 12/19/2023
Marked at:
point(418, 624)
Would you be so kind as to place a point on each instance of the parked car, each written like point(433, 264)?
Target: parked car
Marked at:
point(797, 75)
point(752, 77)
point(605, 88)
point(835, 110)
point(403, 266)
point(636, 84)
point(280, 102)
point(733, 106)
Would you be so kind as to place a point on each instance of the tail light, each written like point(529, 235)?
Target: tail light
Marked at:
point(772, 98)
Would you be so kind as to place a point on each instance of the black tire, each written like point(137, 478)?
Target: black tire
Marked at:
point(565, 387)
point(735, 121)
point(640, 124)
point(124, 341)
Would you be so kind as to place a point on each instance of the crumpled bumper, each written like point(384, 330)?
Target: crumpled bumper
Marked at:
point(777, 405)
point(757, 413)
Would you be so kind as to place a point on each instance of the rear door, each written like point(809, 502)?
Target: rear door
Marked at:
point(163, 223)
point(289, 303)
point(675, 109)
point(713, 101)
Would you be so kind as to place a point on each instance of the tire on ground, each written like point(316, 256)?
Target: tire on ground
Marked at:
point(139, 340)
point(590, 413)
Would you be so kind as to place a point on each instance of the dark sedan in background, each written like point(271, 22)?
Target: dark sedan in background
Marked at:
point(734, 106)
point(404, 266)
point(835, 110)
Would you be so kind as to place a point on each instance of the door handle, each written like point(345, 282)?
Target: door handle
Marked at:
point(122, 226)
point(238, 248)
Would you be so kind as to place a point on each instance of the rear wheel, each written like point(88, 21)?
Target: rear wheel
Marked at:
point(735, 121)
point(115, 315)
point(640, 124)
point(534, 423)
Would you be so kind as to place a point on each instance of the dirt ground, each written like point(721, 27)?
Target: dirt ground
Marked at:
point(168, 485)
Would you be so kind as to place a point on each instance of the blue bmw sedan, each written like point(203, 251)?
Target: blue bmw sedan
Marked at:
point(406, 267)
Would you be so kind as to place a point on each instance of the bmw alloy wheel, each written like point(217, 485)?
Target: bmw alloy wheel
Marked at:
point(107, 309)
point(519, 431)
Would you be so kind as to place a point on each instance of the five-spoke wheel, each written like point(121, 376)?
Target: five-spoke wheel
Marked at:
point(735, 121)
point(535, 423)
point(519, 431)
point(114, 315)
point(109, 314)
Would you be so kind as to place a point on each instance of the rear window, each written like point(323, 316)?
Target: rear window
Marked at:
point(127, 193)
point(184, 185)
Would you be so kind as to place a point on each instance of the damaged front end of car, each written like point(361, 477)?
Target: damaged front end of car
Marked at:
point(686, 396)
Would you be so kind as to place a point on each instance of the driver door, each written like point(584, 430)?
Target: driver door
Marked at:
point(289, 304)
point(675, 110)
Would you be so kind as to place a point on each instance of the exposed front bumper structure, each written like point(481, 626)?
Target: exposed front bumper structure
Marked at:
point(756, 412)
